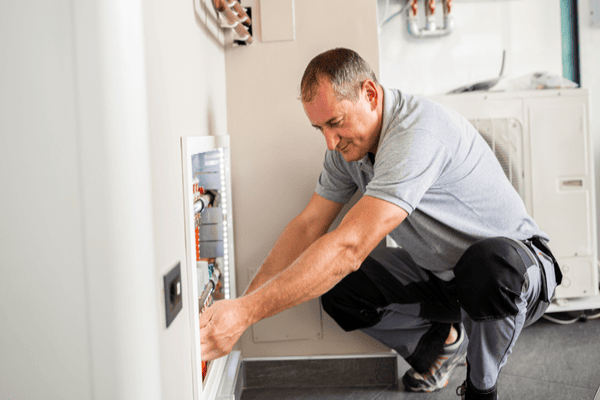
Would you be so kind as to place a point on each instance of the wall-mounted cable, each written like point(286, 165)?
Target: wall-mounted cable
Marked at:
point(386, 19)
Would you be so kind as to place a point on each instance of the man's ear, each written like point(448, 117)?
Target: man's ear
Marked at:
point(370, 89)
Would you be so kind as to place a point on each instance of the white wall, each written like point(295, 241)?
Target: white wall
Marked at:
point(95, 98)
point(44, 339)
point(185, 66)
point(528, 30)
point(589, 39)
point(277, 157)
point(76, 224)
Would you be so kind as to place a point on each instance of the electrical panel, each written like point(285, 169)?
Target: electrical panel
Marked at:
point(207, 192)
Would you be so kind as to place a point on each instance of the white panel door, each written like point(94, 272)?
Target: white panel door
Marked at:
point(561, 182)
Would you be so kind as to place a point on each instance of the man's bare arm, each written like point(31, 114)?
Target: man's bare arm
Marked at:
point(329, 259)
point(312, 223)
point(318, 269)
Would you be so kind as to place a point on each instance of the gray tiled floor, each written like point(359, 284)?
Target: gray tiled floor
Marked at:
point(549, 362)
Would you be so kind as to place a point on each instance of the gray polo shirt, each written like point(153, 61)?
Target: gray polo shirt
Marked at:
point(432, 163)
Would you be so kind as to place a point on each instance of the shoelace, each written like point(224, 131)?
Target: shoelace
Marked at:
point(437, 365)
point(462, 390)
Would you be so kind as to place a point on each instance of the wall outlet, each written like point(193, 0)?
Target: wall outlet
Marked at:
point(172, 293)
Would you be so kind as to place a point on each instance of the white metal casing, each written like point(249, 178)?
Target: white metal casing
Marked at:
point(557, 174)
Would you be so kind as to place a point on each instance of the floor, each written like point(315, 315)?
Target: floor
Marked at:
point(549, 362)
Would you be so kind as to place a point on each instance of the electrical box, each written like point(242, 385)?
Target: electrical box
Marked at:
point(209, 248)
point(277, 20)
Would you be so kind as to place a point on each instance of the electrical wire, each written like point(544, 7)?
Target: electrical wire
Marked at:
point(386, 8)
point(592, 316)
point(561, 321)
point(582, 316)
point(391, 17)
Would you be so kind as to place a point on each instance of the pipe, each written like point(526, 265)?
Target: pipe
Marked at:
point(431, 29)
point(203, 202)
point(233, 19)
point(412, 20)
point(210, 287)
point(430, 24)
point(244, 18)
point(448, 16)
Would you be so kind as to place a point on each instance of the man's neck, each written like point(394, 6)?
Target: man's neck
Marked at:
point(380, 96)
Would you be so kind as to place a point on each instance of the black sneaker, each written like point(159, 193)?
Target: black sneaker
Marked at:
point(438, 374)
point(467, 393)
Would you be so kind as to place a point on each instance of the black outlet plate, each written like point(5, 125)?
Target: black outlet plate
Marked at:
point(173, 289)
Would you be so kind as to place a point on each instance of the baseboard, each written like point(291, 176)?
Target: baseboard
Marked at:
point(332, 371)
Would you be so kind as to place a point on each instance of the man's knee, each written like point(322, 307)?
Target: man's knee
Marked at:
point(489, 279)
point(353, 302)
point(333, 303)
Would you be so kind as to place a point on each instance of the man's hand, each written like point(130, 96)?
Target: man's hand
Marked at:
point(221, 325)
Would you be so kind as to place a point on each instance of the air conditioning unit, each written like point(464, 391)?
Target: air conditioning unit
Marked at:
point(543, 143)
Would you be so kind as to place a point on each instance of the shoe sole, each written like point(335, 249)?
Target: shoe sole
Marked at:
point(423, 390)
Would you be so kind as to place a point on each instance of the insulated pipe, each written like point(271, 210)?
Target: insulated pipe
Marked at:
point(431, 28)
point(244, 18)
point(233, 21)
point(413, 21)
point(430, 24)
point(203, 202)
point(448, 16)
point(210, 287)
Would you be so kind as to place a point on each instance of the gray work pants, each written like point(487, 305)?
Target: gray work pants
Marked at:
point(497, 291)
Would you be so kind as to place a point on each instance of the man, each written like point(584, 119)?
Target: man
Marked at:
point(472, 263)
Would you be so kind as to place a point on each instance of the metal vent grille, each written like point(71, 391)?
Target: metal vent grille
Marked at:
point(505, 138)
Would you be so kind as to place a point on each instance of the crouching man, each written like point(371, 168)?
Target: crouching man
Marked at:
point(473, 268)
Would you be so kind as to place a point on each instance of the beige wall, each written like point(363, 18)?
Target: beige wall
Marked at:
point(186, 97)
point(277, 156)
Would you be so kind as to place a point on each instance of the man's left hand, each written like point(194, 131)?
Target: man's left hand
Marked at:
point(221, 325)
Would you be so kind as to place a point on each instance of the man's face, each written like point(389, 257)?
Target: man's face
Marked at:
point(350, 128)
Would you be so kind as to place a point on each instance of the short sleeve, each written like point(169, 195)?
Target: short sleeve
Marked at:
point(407, 165)
point(335, 182)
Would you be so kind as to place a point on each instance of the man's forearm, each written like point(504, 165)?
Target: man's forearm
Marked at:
point(312, 274)
point(328, 260)
point(293, 241)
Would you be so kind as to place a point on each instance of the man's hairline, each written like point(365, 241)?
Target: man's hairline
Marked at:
point(338, 97)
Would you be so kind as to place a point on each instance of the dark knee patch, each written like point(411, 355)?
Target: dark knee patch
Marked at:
point(353, 302)
point(489, 279)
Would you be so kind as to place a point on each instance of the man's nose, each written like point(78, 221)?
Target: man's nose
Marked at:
point(331, 138)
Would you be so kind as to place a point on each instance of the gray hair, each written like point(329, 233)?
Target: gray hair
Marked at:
point(344, 68)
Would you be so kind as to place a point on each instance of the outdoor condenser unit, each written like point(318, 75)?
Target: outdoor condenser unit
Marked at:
point(543, 142)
